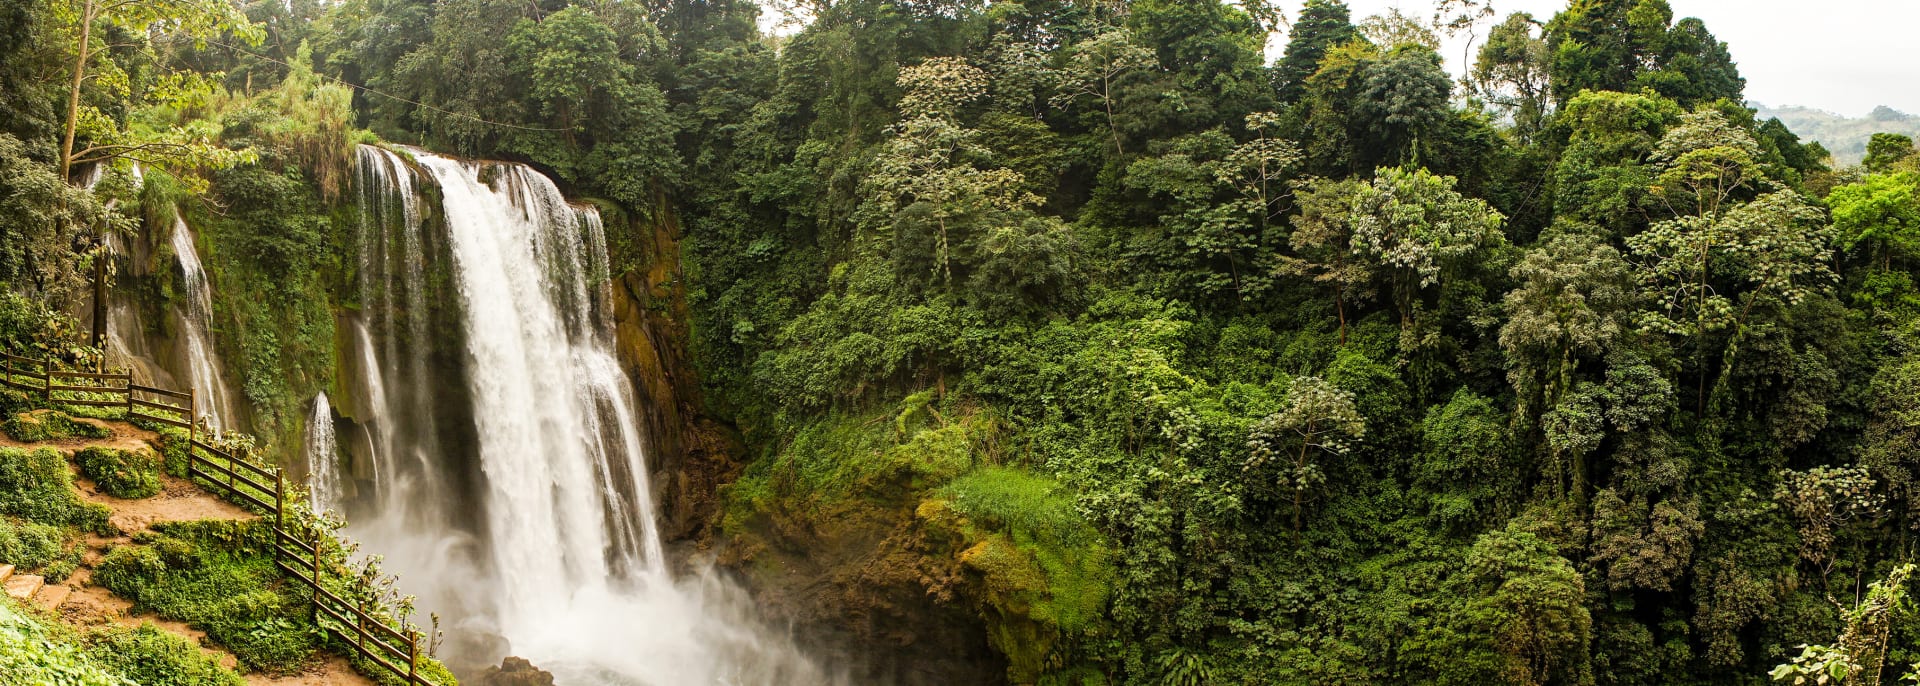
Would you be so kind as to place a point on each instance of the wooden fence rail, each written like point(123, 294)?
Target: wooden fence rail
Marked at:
point(265, 488)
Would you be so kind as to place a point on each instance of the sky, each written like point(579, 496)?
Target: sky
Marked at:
point(1843, 56)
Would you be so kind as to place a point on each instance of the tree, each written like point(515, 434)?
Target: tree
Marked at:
point(1395, 30)
point(108, 140)
point(1881, 213)
point(1419, 230)
point(1719, 258)
point(1323, 246)
point(1603, 176)
point(1093, 66)
point(1462, 17)
point(1511, 72)
point(1572, 301)
point(1629, 45)
point(1860, 655)
point(1529, 605)
point(1885, 150)
point(1323, 24)
point(1318, 418)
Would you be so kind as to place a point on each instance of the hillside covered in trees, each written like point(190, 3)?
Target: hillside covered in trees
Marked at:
point(1078, 342)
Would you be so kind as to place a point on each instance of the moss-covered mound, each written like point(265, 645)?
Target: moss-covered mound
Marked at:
point(51, 425)
point(121, 473)
point(35, 485)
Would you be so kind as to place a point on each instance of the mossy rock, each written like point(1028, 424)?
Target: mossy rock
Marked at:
point(51, 425)
point(121, 473)
point(173, 444)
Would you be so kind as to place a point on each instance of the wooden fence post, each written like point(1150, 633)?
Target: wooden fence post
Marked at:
point(413, 656)
point(315, 578)
point(46, 381)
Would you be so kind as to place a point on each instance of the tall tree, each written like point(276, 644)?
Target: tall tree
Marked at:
point(1322, 25)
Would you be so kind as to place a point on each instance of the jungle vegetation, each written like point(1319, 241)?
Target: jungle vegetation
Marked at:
point(1182, 365)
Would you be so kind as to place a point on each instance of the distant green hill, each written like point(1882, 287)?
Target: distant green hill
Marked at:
point(1845, 137)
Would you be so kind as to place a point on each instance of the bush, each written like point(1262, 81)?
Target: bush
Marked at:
point(35, 485)
point(14, 402)
point(51, 425)
point(148, 655)
point(121, 473)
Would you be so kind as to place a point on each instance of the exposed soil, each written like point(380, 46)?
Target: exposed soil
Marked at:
point(178, 501)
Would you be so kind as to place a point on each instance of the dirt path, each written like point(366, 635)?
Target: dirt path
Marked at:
point(178, 501)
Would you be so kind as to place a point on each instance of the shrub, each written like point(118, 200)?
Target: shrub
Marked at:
point(51, 425)
point(121, 473)
point(148, 655)
point(14, 402)
point(35, 485)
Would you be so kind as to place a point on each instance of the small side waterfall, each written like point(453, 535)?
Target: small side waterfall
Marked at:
point(201, 362)
point(323, 458)
point(188, 354)
point(538, 527)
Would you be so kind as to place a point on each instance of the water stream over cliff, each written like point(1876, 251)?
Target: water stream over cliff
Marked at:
point(189, 353)
point(502, 441)
point(323, 462)
point(198, 357)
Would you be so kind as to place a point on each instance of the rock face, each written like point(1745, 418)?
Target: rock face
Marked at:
point(851, 584)
point(690, 453)
point(515, 671)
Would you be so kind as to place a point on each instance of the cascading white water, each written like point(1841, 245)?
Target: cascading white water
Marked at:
point(568, 568)
point(202, 363)
point(323, 459)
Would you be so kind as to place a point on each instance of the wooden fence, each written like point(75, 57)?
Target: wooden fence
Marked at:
point(240, 481)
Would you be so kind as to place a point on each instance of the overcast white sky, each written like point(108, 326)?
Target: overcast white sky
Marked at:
point(1843, 56)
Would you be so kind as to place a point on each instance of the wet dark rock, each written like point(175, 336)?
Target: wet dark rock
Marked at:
point(516, 671)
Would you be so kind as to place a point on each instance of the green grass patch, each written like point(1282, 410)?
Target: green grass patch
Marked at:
point(50, 425)
point(121, 473)
point(173, 445)
point(39, 651)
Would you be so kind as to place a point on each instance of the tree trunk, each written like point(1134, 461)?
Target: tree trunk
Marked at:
point(81, 54)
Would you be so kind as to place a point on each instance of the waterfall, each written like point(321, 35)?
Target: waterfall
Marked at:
point(532, 519)
point(323, 460)
point(201, 361)
point(129, 344)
